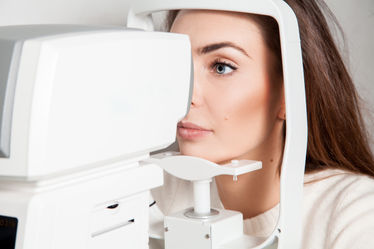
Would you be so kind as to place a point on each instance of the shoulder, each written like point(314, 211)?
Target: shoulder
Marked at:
point(342, 203)
point(338, 184)
point(341, 187)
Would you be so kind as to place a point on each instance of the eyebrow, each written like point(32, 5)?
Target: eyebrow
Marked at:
point(215, 46)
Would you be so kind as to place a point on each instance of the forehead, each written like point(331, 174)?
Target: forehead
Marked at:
point(209, 26)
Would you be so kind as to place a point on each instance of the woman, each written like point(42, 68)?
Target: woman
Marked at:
point(238, 112)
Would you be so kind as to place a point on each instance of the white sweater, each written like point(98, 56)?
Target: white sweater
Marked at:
point(338, 209)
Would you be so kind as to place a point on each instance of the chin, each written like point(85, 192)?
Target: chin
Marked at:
point(206, 152)
point(194, 150)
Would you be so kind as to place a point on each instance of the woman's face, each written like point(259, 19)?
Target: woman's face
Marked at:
point(237, 99)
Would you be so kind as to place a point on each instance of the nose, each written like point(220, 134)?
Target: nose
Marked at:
point(197, 96)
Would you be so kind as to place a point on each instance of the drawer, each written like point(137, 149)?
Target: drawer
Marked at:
point(121, 223)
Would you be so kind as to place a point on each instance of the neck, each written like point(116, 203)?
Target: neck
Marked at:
point(255, 192)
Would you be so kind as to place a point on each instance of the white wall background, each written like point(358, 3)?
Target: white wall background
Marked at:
point(356, 18)
point(107, 12)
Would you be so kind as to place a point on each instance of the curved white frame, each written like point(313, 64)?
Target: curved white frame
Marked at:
point(289, 229)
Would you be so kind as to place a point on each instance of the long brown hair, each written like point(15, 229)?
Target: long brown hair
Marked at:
point(337, 137)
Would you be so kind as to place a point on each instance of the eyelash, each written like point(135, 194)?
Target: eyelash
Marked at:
point(217, 62)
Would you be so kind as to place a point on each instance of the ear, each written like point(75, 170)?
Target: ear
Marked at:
point(282, 109)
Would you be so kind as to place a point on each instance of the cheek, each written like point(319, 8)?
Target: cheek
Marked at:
point(244, 114)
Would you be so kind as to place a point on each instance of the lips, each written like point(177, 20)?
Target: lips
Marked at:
point(190, 131)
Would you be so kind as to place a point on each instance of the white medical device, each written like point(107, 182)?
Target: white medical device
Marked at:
point(206, 232)
point(80, 110)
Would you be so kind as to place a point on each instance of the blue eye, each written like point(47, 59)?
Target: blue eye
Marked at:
point(222, 68)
